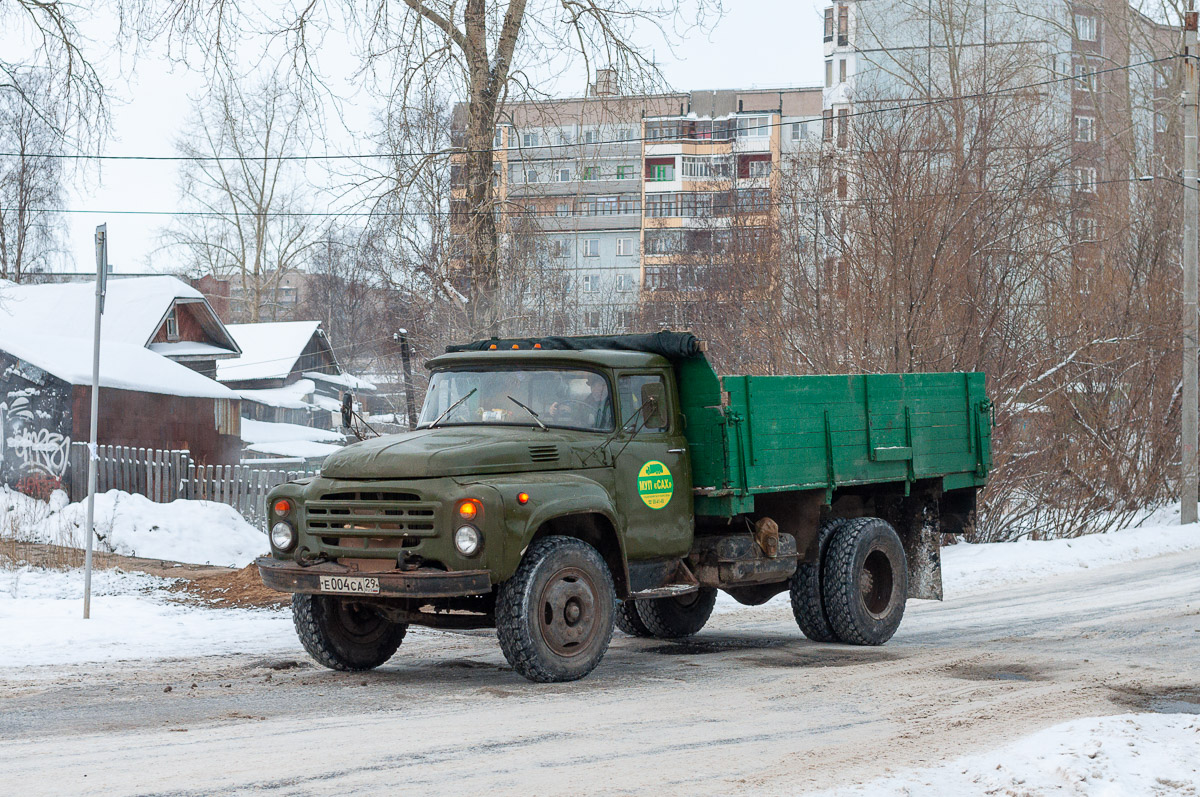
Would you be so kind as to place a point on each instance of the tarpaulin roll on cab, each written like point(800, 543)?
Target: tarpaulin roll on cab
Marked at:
point(672, 345)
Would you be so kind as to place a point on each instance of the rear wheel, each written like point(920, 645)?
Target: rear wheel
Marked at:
point(677, 616)
point(628, 619)
point(344, 635)
point(554, 617)
point(865, 582)
point(808, 605)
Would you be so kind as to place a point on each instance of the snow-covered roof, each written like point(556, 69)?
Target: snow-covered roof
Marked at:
point(122, 365)
point(269, 350)
point(266, 432)
point(288, 397)
point(304, 449)
point(347, 381)
point(134, 309)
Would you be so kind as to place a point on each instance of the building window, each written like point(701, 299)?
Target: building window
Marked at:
point(829, 24)
point(753, 126)
point(760, 168)
point(496, 139)
point(660, 172)
point(827, 125)
point(529, 140)
point(531, 176)
point(625, 172)
point(1160, 122)
point(1085, 229)
point(829, 73)
point(841, 70)
point(625, 134)
point(591, 247)
point(562, 209)
point(843, 127)
point(564, 175)
point(1085, 179)
point(843, 26)
point(1085, 128)
point(1085, 77)
point(591, 319)
point(560, 247)
point(172, 325)
point(624, 246)
point(590, 136)
point(624, 283)
point(842, 187)
point(625, 319)
point(591, 283)
point(1085, 27)
point(587, 173)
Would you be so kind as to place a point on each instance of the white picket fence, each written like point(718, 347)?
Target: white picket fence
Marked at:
point(167, 475)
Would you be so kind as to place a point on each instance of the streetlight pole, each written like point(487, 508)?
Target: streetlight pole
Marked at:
point(101, 283)
point(1191, 256)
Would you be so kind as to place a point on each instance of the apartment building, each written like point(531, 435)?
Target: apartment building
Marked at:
point(631, 201)
point(1100, 73)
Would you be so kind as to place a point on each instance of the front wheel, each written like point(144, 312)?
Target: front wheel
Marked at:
point(865, 582)
point(344, 635)
point(554, 617)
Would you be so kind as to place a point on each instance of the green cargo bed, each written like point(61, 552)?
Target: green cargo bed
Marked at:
point(763, 434)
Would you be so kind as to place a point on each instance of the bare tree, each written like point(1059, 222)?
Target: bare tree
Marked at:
point(249, 219)
point(480, 50)
point(30, 179)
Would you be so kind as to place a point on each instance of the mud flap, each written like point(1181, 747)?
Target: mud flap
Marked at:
point(922, 548)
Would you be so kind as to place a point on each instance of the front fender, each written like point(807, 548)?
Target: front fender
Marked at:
point(551, 495)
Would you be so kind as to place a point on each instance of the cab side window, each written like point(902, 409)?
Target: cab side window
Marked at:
point(643, 401)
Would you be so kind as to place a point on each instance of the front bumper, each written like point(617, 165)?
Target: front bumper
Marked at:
point(425, 583)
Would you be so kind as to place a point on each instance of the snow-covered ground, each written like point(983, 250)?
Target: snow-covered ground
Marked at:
point(1129, 754)
point(132, 617)
point(199, 532)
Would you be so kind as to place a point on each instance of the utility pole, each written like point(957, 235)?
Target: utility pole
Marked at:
point(401, 337)
point(101, 283)
point(1191, 256)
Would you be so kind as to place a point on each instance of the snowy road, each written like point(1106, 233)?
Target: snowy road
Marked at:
point(748, 706)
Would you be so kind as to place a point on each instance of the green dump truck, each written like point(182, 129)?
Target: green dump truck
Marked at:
point(555, 487)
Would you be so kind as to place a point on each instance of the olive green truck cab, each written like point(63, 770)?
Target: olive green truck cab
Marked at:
point(555, 487)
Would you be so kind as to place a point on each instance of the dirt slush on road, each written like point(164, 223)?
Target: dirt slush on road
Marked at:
point(557, 487)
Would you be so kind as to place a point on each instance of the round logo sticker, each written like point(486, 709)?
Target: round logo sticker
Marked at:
point(655, 484)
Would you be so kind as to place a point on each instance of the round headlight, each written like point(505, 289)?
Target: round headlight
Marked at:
point(466, 540)
point(283, 536)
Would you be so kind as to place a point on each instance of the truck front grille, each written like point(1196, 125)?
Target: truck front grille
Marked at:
point(370, 514)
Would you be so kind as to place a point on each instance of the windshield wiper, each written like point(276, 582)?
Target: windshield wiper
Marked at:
point(533, 414)
point(452, 408)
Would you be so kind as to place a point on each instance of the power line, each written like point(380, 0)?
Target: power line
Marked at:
point(464, 151)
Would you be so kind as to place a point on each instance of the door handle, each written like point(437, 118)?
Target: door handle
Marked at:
point(676, 450)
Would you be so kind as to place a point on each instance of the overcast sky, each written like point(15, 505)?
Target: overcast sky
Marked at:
point(759, 43)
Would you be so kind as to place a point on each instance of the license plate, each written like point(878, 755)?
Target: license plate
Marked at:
point(352, 585)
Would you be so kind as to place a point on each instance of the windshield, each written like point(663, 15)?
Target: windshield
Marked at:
point(570, 399)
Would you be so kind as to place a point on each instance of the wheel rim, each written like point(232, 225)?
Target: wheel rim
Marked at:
point(876, 582)
point(567, 612)
point(359, 623)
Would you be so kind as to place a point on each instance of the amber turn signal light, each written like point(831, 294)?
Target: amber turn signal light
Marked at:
point(467, 510)
point(282, 507)
point(522, 498)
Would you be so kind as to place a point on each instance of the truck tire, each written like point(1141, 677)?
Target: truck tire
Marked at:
point(343, 635)
point(628, 620)
point(808, 605)
point(865, 582)
point(677, 617)
point(554, 617)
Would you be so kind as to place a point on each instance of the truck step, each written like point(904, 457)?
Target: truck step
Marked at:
point(667, 591)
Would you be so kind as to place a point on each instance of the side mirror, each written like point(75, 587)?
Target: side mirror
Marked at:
point(654, 406)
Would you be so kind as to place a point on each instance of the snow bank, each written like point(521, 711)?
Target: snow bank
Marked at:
point(971, 568)
point(1126, 754)
point(41, 621)
point(199, 532)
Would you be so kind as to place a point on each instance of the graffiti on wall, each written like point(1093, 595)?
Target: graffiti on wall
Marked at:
point(34, 427)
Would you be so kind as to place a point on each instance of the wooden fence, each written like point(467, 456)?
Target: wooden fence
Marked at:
point(164, 476)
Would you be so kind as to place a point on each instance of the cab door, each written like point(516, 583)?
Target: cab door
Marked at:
point(653, 470)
